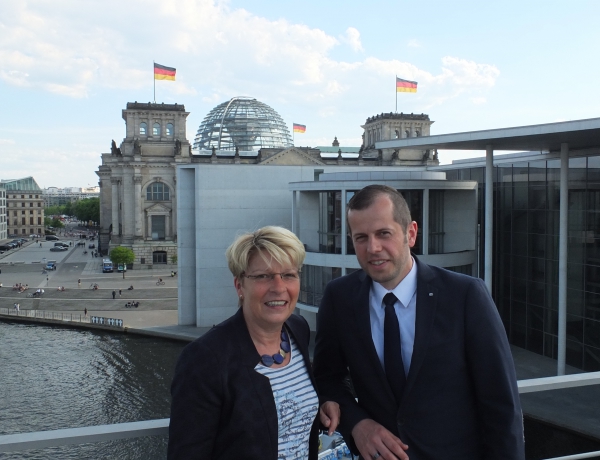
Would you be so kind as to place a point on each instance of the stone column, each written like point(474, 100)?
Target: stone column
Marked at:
point(128, 208)
point(137, 206)
point(114, 182)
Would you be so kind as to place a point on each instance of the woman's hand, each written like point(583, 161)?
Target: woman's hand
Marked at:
point(329, 415)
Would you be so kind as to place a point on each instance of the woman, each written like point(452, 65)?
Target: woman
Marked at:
point(245, 388)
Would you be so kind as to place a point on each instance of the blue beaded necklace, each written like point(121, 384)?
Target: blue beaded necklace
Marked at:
point(278, 357)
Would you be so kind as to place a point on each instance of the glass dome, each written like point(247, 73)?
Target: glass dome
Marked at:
point(245, 123)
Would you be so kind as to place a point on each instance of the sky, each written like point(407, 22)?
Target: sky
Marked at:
point(69, 67)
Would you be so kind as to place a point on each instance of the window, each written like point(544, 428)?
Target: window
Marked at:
point(407, 133)
point(31, 221)
point(156, 129)
point(39, 222)
point(169, 131)
point(417, 133)
point(158, 227)
point(143, 128)
point(39, 205)
point(159, 257)
point(23, 212)
point(23, 220)
point(31, 205)
point(30, 212)
point(157, 192)
point(22, 205)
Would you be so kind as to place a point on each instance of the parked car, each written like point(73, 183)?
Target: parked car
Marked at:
point(51, 238)
point(58, 248)
point(61, 243)
point(91, 246)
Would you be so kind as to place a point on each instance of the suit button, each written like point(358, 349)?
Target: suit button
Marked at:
point(400, 422)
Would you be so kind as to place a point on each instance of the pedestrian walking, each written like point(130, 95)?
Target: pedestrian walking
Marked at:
point(85, 312)
point(114, 295)
point(119, 293)
point(79, 282)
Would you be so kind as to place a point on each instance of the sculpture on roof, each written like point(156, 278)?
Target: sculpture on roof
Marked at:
point(114, 150)
point(137, 148)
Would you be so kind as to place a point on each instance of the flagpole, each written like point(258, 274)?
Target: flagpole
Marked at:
point(396, 89)
point(154, 79)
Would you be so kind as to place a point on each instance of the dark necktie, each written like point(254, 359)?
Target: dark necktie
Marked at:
point(392, 348)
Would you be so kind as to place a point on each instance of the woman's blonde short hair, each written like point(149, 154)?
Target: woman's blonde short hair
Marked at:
point(277, 242)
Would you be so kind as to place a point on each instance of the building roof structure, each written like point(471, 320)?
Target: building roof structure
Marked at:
point(25, 183)
point(579, 134)
point(242, 124)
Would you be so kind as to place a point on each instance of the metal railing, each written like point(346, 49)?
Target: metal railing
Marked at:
point(98, 433)
point(43, 314)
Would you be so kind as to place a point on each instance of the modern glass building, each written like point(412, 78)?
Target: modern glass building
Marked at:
point(526, 252)
point(242, 124)
point(539, 242)
point(445, 212)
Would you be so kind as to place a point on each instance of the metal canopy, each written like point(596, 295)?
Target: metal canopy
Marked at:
point(579, 134)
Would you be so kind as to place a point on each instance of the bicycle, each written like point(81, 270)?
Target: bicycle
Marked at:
point(160, 283)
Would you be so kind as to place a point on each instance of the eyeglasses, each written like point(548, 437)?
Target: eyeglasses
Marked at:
point(265, 278)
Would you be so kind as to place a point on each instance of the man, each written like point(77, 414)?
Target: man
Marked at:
point(447, 389)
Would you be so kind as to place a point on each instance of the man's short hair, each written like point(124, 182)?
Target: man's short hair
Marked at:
point(365, 198)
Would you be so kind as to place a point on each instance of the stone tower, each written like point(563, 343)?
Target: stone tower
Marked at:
point(387, 126)
point(138, 184)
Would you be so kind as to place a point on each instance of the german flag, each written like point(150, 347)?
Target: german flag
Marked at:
point(162, 72)
point(405, 86)
point(299, 128)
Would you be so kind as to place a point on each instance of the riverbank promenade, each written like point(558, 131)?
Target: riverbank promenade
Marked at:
point(573, 409)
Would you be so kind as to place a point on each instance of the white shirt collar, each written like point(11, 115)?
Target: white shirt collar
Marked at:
point(404, 291)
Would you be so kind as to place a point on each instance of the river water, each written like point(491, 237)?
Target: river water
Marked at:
point(53, 378)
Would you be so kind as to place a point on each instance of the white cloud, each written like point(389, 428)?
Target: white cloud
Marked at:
point(414, 43)
point(352, 38)
point(219, 52)
point(7, 141)
point(478, 100)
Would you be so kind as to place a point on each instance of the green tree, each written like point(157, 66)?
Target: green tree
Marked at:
point(68, 208)
point(87, 209)
point(54, 210)
point(57, 223)
point(122, 255)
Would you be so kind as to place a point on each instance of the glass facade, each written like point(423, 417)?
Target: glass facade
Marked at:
point(313, 280)
point(332, 211)
point(525, 258)
point(242, 123)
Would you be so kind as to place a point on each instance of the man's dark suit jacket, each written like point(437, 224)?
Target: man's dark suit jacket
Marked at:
point(221, 407)
point(460, 400)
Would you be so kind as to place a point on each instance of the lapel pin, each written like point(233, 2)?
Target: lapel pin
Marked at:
point(431, 294)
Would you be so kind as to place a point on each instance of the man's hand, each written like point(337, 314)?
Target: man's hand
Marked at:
point(375, 442)
point(329, 414)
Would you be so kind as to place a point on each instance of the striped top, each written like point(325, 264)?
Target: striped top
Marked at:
point(296, 403)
